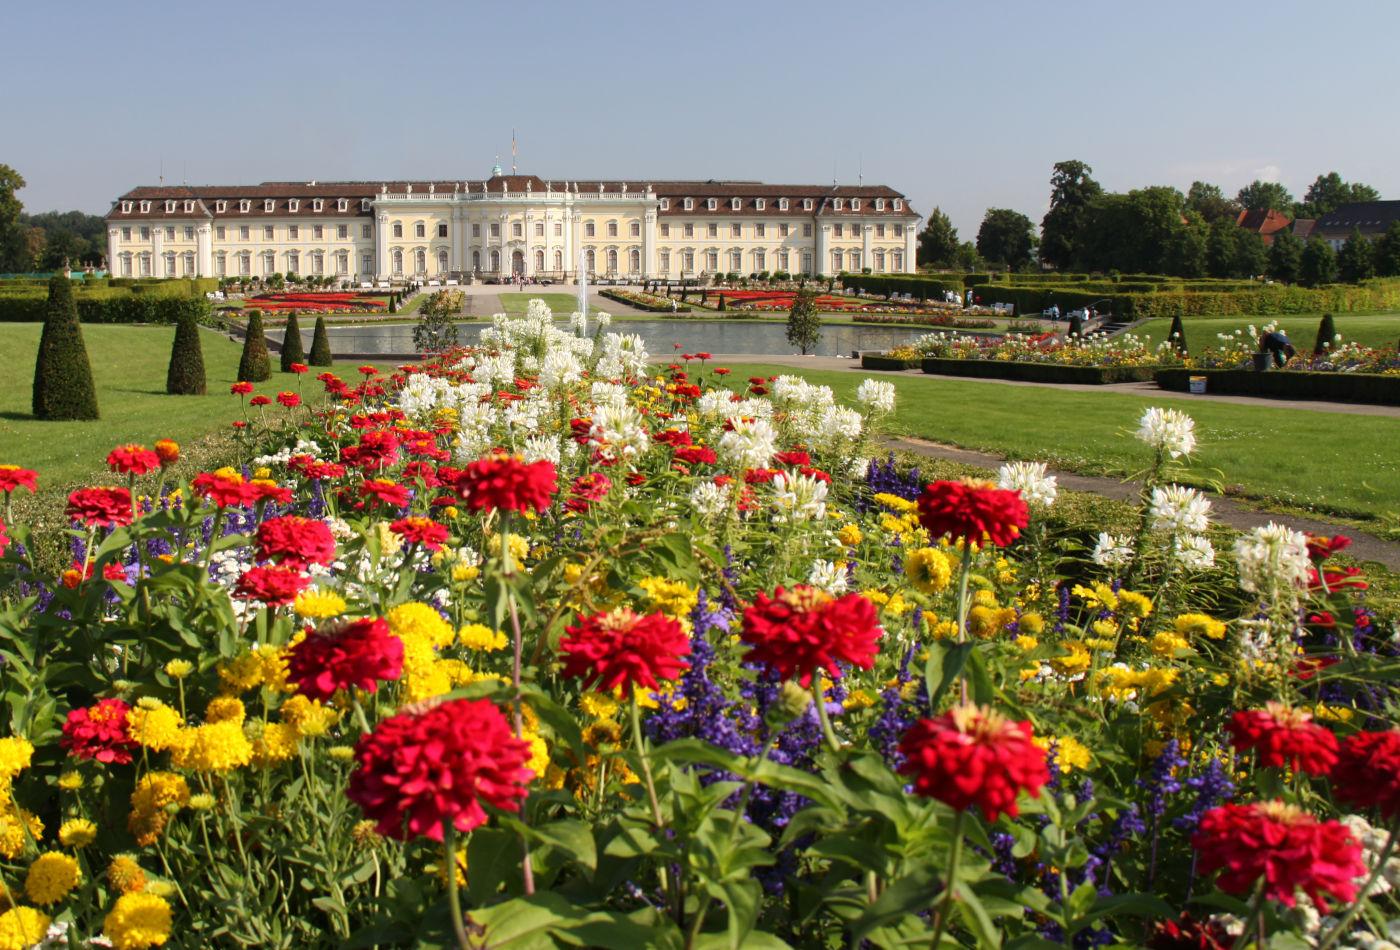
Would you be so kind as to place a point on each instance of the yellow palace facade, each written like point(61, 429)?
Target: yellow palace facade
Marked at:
point(508, 225)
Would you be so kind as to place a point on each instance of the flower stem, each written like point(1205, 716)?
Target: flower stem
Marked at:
point(819, 699)
point(1255, 914)
point(647, 777)
point(454, 900)
point(945, 906)
point(1340, 926)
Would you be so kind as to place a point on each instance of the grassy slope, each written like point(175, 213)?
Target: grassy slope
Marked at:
point(1328, 462)
point(1380, 330)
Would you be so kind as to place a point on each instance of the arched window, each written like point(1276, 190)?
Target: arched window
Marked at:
point(760, 260)
point(688, 261)
point(712, 261)
point(397, 258)
point(342, 263)
point(782, 260)
point(855, 260)
point(442, 262)
point(836, 261)
point(293, 262)
point(634, 261)
point(590, 261)
point(269, 263)
point(558, 260)
point(496, 261)
point(420, 261)
point(169, 264)
point(897, 262)
point(539, 260)
point(245, 264)
point(220, 265)
point(189, 263)
point(126, 265)
point(807, 262)
point(476, 260)
point(318, 262)
point(612, 260)
point(879, 262)
point(736, 260)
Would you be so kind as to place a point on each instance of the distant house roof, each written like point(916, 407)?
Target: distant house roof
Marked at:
point(1263, 222)
point(1303, 228)
point(1371, 218)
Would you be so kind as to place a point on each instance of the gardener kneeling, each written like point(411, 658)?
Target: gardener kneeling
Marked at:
point(1277, 345)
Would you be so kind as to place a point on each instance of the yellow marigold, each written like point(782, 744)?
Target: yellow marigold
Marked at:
point(1100, 595)
point(858, 699)
point(478, 636)
point(1166, 644)
point(125, 875)
point(850, 535)
point(1070, 753)
point(986, 622)
point(15, 755)
point(1026, 643)
point(242, 673)
point(1119, 682)
point(390, 543)
point(316, 603)
point(894, 502)
point(673, 598)
point(1031, 623)
point(154, 725)
point(77, 833)
point(276, 744)
point(424, 680)
point(1075, 660)
point(13, 823)
point(274, 663)
point(51, 877)
point(70, 781)
point(308, 716)
point(1200, 625)
point(213, 747)
point(464, 573)
point(1332, 713)
point(137, 921)
point(598, 705)
point(539, 753)
point(225, 709)
point(984, 598)
point(157, 795)
point(604, 732)
point(341, 753)
point(942, 629)
point(22, 928)
point(440, 872)
point(420, 620)
point(898, 606)
point(179, 669)
point(519, 549)
point(1133, 604)
point(1104, 628)
point(877, 597)
point(928, 570)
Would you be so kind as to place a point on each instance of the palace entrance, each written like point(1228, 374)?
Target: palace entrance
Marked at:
point(517, 263)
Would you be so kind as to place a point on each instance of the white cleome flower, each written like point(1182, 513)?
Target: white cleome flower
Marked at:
point(798, 497)
point(1169, 430)
point(1273, 561)
point(1177, 509)
point(750, 443)
point(1030, 480)
point(709, 500)
point(1112, 550)
point(828, 576)
point(541, 448)
point(1193, 552)
point(876, 396)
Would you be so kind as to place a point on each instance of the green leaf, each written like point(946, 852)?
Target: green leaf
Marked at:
point(908, 895)
point(526, 922)
point(969, 907)
point(573, 837)
point(945, 662)
point(492, 855)
point(1133, 905)
point(742, 899)
point(556, 717)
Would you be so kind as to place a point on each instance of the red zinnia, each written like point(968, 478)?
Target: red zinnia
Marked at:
point(356, 655)
point(274, 586)
point(1367, 773)
point(972, 755)
point(107, 507)
point(424, 531)
point(697, 455)
point(260, 401)
point(300, 368)
point(1285, 846)
point(1280, 734)
point(12, 477)
point(4, 539)
point(509, 483)
point(1188, 933)
point(241, 389)
point(622, 648)
point(384, 491)
point(416, 771)
point(132, 459)
point(798, 631)
point(168, 451)
point(100, 732)
point(971, 510)
point(1321, 546)
point(290, 400)
point(227, 490)
point(295, 542)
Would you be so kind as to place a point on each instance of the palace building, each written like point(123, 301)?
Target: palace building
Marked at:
point(508, 225)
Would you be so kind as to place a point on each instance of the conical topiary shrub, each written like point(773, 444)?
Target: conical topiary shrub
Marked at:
point(320, 345)
point(185, 377)
point(62, 375)
point(1076, 325)
point(255, 366)
point(1326, 335)
point(291, 343)
point(1177, 336)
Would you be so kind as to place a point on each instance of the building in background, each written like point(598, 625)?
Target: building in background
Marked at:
point(1371, 218)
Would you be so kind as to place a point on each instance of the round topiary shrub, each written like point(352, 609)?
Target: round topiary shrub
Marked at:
point(185, 377)
point(291, 343)
point(320, 345)
point(63, 386)
point(255, 366)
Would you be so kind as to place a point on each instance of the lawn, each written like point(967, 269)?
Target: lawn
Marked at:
point(1375, 330)
point(1326, 462)
point(562, 304)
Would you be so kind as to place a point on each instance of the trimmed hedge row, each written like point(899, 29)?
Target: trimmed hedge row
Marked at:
point(1287, 384)
point(102, 309)
point(1037, 372)
point(917, 286)
point(1260, 300)
point(883, 361)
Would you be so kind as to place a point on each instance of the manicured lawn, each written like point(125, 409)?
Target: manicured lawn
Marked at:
point(1377, 330)
point(561, 304)
point(1327, 462)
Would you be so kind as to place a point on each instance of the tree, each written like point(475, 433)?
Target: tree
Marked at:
point(185, 376)
point(1357, 261)
point(320, 346)
point(1142, 232)
point(12, 245)
point(938, 241)
point(1388, 252)
point(804, 326)
point(1210, 203)
point(1177, 336)
point(1251, 254)
point(254, 366)
point(1328, 192)
point(1264, 195)
point(1318, 264)
point(1071, 192)
point(62, 375)
point(1326, 335)
point(1185, 253)
point(1006, 237)
point(1220, 250)
point(291, 343)
point(1285, 256)
point(435, 332)
point(968, 259)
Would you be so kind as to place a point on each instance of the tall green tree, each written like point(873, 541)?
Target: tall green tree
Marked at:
point(1185, 253)
point(1263, 195)
point(13, 249)
point(967, 257)
point(1318, 264)
point(1220, 249)
point(1285, 257)
point(1251, 254)
point(1140, 232)
point(185, 374)
point(1329, 192)
point(804, 326)
point(255, 365)
point(938, 241)
point(63, 386)
point(1006, 237)
point(1210, 203)
point(1357, 260)
point(1388, 252)
point(1071, 193)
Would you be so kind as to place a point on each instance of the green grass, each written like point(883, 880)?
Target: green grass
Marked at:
point(1330, 463)
point(562, 304)
point(1374, 330)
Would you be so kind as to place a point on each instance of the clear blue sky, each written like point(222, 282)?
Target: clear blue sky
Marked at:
point(959, 104)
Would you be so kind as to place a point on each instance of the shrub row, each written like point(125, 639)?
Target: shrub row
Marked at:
point(102, 309)
point(1037, 372)
point(1259, 299)
point(641, 305)
point(1287, 384)
point(885, 361)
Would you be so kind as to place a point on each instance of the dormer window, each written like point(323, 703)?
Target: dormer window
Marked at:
point(734, 204)
point(759, 204)
point(364, 204)
point(219, 206)
point(268, 205)
point(782, 204)
point(837, 203)
point(711, 203)
point(898, 204)
point(145, 206)
point(169, 207)
point(244, 205)
point(690, 204)
point(806, 204)
point(292, 204)
point(855, 204)
point(317, 204)
point(126, 207)
point(665, 204)
point(342, 204)
point(189, 206)
point(879, 204)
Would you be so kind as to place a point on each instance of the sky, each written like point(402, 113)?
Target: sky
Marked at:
point(962, 105)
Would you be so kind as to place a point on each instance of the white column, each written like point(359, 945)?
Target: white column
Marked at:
point(113, 242)
point(867, 231)
point(911, 246)
point(649, 243)
point(529, 243)
point(158, 251)
point(381, 245)
point(823, 254)
point(204, 255)
point(571, 241)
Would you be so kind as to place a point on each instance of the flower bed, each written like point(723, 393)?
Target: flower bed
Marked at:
point(969, 319)
point(1235, 350)
point(644, 301)
point(1091, 350)
point(1038, 372)
point(887, 361)
point(780, 301)
point(687, 654)
point(312, 302)
point(1289, 384)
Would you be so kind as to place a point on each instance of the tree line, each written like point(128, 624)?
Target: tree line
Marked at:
point(30, 242)
point(1159, 230)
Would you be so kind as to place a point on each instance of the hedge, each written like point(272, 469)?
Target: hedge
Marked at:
point(883, 285)
point(1289, 384)
point(1037, 372)
point(1260, 300)
point(103, 309)
point(884, 361)
point(639, 305)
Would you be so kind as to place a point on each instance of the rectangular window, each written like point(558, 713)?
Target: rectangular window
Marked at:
point(267, 232)
point(612, 229)
point(665, 230)
point(442, 230)
point(899, 230)
point(496, 229)
point(760, 230)
point(558, 229)
point(517, 229)
point(837, 230)
point(636, 229)
point(712, 260)
point(364, 230)
point(736, 230)
point(419, 231)
point(219, 232)
point(588, 229)
point(293, 232)
point(189, 234)
point(145, 234)
point(366, 264)
point(126, 234)
point(879, 230)
point(665, 262)
point(170, 234)
point(690, 230)
point(806, 230)
point(783, 232)
point(243, 234)
point(317, 232)
point(342, 231)
point(713, 230)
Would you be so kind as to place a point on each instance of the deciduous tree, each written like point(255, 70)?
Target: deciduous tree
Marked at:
point(1318, 264)
point(938, 241)
point(1061, 230)
point(1006, 237)
point(1285, 256)
point(804, 326)
point(1329, 192)
point(1357, 261)
point(1263, 195)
